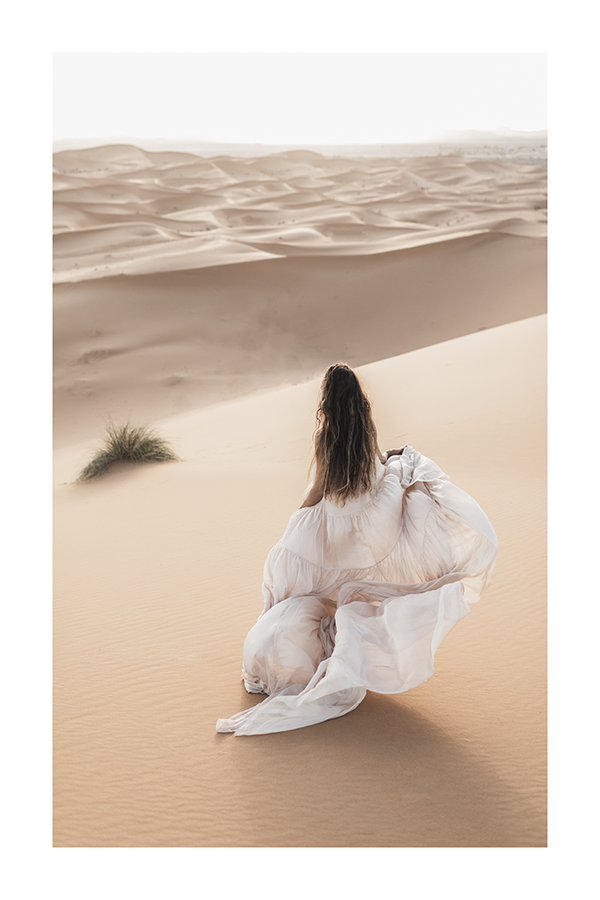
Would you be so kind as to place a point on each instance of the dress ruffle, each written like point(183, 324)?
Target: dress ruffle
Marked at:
point(358, 597)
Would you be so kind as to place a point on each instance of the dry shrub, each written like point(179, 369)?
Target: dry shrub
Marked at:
point(138, 444)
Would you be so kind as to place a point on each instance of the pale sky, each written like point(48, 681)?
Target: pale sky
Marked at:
point(296, 98)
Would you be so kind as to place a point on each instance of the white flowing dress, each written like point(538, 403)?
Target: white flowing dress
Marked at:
point(359, 597)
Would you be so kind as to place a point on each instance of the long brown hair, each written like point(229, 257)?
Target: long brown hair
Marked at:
point(345, 436)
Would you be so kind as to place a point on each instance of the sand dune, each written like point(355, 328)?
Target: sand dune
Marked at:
point(429, 276)
point(150, 345)
point(121, 210)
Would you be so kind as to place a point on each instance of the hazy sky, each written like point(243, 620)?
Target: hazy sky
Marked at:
point(295, 98)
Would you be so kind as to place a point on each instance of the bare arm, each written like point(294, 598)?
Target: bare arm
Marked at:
point(315, 495)
point(390, 453)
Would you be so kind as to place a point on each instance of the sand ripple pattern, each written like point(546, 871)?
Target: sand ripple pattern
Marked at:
point(122, 210)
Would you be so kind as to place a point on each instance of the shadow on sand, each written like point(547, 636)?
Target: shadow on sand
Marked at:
point(393, 779)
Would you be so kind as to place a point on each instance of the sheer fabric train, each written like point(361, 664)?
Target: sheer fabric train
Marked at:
point(359, 597)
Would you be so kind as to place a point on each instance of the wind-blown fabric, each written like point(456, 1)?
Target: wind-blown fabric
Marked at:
point(359, 597)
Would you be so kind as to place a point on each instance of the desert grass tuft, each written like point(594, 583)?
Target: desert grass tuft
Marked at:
point(138, 444)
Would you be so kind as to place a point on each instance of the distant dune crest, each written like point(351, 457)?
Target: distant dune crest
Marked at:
point(499, 143)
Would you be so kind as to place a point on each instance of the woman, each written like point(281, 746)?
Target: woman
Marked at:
point(372, 572)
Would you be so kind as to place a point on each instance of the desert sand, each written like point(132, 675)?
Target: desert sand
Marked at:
point(205, 297)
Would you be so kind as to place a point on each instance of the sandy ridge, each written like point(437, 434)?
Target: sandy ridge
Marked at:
point(150, 345)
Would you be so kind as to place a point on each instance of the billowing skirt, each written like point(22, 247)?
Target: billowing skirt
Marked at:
point(329, 631)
